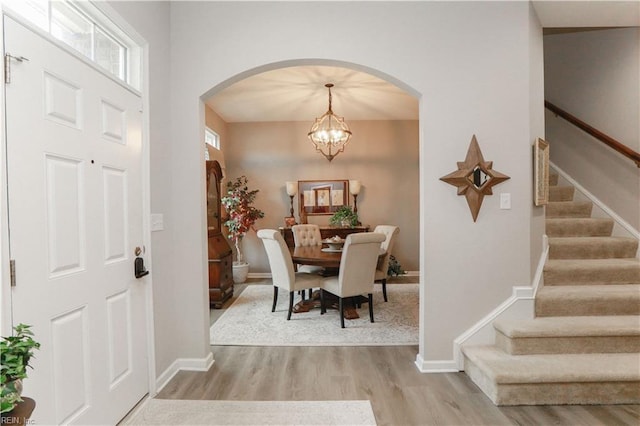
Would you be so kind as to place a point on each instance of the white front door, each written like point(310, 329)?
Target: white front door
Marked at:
point(74, 149)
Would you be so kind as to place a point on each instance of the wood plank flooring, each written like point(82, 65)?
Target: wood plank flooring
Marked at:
point(386, 375)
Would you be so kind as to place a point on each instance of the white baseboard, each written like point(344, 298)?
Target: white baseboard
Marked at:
point(437, 366)
point(187, 364)
point(519, 305)
point(261, 275)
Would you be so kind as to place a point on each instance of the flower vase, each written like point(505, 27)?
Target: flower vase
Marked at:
point(240, 272)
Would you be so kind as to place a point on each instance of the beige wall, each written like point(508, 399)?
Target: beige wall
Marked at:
point(595, 76)
point(382, 155)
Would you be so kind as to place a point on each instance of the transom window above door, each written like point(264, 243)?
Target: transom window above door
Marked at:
point(84, 28)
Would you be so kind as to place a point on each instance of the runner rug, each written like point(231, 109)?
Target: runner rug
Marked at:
point(250, 322)
point(186, 412)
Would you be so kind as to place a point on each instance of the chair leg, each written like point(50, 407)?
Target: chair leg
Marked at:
point(384, 289)
point(341, 303)
point(371, 307)
point(275, 298)
point(322, 308)
point(290, 305)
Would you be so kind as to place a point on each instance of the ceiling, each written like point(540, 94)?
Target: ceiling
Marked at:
point(298, 93)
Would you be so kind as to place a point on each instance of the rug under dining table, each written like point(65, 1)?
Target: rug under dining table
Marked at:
point(250, 322)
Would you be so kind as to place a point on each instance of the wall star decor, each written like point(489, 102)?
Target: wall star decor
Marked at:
point(474, 178)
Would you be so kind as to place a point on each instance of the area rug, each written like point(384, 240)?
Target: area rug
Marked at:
point(183, 412)
point(250, 322)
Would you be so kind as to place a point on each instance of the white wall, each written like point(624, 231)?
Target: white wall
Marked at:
point(470, 65)
point(151, 20)
point(595, 76)
point(536, 129)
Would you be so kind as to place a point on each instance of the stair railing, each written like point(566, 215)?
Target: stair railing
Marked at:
point(606, 139)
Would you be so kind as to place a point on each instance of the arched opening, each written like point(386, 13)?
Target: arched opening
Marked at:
point(263, 116)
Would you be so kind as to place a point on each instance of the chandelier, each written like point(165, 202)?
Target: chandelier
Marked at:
point(329, 133)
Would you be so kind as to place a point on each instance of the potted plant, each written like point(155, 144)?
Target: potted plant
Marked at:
point(242, 216)
point(344, 217)
point(15, 353)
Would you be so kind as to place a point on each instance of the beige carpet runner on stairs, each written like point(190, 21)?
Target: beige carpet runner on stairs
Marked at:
point(583, 346)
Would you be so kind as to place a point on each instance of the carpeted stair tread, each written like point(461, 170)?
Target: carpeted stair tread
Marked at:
point(569, 335)
point(503, 368)
point(561, 193)
point(592, 247)
point(591, 271)
point(583, 344)
point(566, 300)
point(579, 227)
point(615, 325)
point(568, 209)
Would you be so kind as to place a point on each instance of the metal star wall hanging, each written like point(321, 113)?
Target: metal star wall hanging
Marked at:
point(474, 178)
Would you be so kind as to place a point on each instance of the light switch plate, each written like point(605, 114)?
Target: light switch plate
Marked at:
point(505, 201)
point(157, 222)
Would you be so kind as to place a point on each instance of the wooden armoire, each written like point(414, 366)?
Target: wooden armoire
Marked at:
point(220, 253)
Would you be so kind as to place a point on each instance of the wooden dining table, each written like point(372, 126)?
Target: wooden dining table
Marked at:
point(330, 261)
point(316, 256)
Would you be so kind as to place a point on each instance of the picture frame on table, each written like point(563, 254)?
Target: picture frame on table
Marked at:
point(541, 172)
point(289, 221)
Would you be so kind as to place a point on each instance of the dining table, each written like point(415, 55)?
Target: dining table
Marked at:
point(316, 256)
point(329, 259)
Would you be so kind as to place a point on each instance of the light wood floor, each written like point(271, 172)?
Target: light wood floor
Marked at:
point(387, 376)
point(384, 375)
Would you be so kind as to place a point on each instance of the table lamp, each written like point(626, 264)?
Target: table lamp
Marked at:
point(354, 189)
point(292, 190)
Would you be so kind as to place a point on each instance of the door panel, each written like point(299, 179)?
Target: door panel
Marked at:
point(75, 217)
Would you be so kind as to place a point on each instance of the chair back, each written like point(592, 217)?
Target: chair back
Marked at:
point(282, 271)
point(390, 232)
point(306, 235)
point(358, 264)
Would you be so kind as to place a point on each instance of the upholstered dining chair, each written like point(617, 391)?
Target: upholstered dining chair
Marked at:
point(307, 235)
point(357, 271)
point(282, 271)
point(390, 232)
point(303, 236)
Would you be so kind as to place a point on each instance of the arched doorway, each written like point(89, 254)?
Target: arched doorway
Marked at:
point(264, 114)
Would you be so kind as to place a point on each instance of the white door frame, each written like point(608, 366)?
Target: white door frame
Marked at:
point(5, 285)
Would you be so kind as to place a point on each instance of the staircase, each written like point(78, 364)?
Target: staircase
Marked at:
point(583, 346)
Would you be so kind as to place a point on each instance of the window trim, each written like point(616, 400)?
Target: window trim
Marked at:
point(216, 137)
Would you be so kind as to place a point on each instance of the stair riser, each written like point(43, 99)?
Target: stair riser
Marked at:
point(592, 276)
point(568, 345)
point(574, 308)
point(614, 249)
point(595, 393)
point(578, 229)
point(568, 210)
point(561, 193)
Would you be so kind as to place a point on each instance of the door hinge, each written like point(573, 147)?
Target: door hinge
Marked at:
point(12, 272)
point(7, 65)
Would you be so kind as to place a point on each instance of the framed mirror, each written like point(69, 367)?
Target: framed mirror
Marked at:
point(322, 197)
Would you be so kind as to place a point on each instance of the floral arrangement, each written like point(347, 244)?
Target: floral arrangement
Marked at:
point(242, 215)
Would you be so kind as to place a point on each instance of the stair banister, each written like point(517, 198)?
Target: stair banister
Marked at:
point(606, 139)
